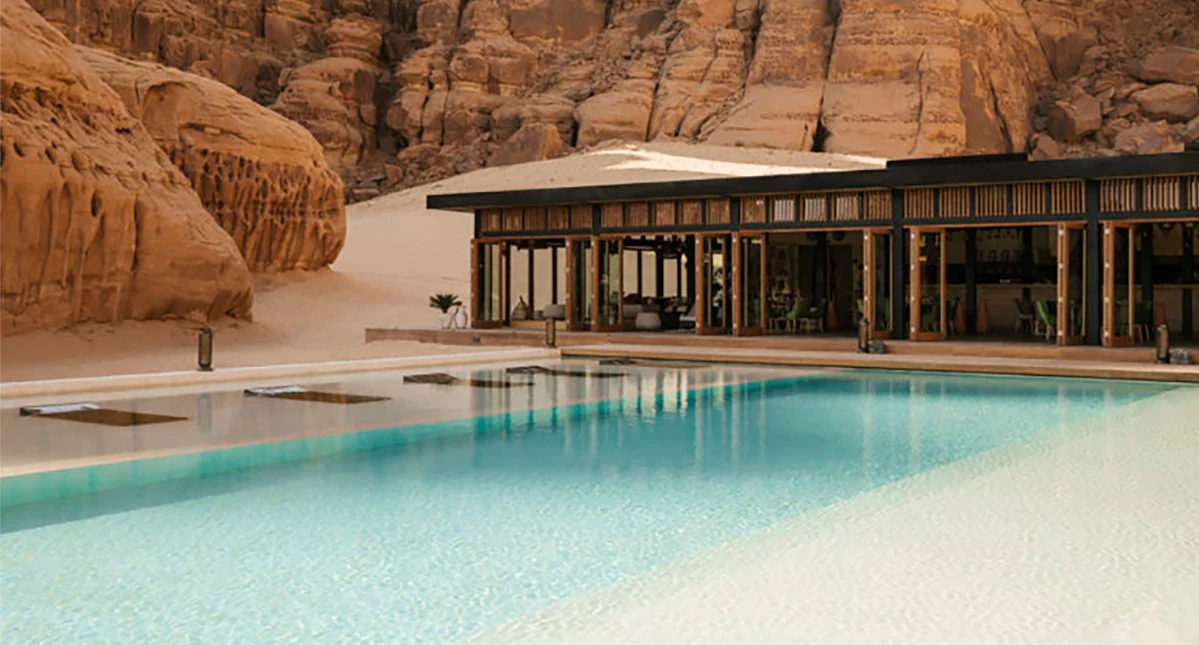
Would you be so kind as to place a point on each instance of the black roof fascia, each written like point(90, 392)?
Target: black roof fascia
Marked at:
point(895, 177)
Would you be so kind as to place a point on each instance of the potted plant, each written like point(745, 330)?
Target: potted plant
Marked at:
point(443, 302)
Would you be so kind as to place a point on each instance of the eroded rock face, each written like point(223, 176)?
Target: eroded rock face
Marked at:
point(262, 177)
point(380, 81)
point(98, 225)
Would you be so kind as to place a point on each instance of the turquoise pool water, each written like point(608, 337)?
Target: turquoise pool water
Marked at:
point(434, 540)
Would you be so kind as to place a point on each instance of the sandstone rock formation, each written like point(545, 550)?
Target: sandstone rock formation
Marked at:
point(436, 87)
point(262, 177)
point(98, 225)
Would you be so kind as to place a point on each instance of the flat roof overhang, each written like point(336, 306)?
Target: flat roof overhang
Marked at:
point(943, 171)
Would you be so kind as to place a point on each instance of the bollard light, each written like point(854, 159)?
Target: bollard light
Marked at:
point(863, 335)
point(204, 351)
point(1163, 344)
point(551, 332)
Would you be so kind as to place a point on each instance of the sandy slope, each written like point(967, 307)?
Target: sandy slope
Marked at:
point(397, 253)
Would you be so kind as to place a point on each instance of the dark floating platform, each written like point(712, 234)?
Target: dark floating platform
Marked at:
point(630, 362)
point(297, 393)
point(552, 371)
point(446, 379)
point(93, 413)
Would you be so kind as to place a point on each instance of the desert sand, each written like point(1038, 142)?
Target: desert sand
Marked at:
point(397, 253)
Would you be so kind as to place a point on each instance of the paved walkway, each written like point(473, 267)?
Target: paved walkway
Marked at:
point(931, 363)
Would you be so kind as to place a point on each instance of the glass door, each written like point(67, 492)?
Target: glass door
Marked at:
point(1119, 262)
point(714, 280)
point(875, 305)
point(578, 277)
point(927, 291)
point(1071, 284)
point(751, 276)
point(488, 278)
point(609, 309)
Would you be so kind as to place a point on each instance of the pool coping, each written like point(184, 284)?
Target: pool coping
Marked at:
point(1152, 372)
point(123, 382)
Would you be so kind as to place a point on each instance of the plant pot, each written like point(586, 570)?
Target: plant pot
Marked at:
point(443, 320)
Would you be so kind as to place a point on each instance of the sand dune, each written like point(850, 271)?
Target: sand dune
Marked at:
point(397, 253)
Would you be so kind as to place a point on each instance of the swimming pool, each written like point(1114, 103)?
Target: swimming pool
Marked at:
point(438, 539)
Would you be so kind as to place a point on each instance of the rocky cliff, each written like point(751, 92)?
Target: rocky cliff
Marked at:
point(263, 177)
point(404, 91)
point(98, 224)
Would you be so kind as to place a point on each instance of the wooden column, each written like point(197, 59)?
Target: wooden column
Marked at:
point(868, 297)
point(735, 276)
point(1109, 287)
point(506, 305)
point(571, 320)
point(475, 298)
point(701, 304)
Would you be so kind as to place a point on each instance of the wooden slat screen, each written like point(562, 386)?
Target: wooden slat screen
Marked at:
point(990, 200)
point(919, 203)
point(536, 219)
point(513, 219)
point(693, 213)
point(782, 208)
point(492, 220)
point(636, 214)
point(878, 204)
point(1162, 193)
point(580, 216)
point(718, 211)
point(846, 206)
point(664, 214)
point(1065, 197)
point(753, 209)
point(1117, 195)
point(1028, 198)
point(1194, 193)
point(559, 218)
point(612, 215)
point(813, 207)
point(955, 202)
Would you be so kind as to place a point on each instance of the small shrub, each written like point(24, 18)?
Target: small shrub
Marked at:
point(443, 302)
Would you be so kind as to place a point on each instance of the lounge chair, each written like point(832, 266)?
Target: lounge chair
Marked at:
point(1024, 318)
point(1046, 323)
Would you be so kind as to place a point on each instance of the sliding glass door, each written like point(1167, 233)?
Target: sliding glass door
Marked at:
point(578, 276)
point(1119, 295)
point(751, 278)
point(488, 276)
point(714, 283)
point(609, 309)
point(1071, 284)
point(876, 283)
point(926, 295)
